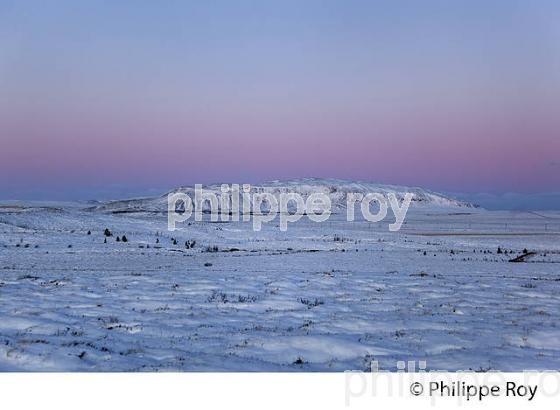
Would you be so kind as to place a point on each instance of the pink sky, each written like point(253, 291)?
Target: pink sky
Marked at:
point(454, 98)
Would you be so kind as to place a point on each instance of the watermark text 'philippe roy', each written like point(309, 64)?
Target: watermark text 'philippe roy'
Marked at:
point(233, 204)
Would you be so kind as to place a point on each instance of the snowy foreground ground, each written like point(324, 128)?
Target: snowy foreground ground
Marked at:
point(319, 297)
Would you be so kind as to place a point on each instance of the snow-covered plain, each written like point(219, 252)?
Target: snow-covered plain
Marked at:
point(326, 296)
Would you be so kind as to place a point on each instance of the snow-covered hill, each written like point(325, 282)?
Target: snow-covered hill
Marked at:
point(336, 189)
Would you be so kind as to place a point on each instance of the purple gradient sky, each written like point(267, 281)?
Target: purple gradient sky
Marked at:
point(455, 96)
